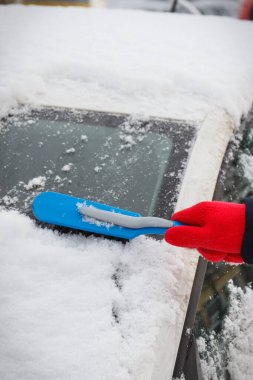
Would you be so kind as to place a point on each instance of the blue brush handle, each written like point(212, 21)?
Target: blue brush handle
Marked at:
point(61, 210)
point(177, 224)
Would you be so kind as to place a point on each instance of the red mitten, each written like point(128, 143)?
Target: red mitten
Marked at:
point(215, 228)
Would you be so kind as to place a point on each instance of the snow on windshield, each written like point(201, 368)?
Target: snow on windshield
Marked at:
point(75, 307)
point(139, 278)
point(125, 61)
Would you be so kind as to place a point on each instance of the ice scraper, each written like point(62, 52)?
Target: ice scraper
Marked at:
point(84, 215)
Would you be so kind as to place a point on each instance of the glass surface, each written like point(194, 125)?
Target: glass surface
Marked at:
point(234, 184)
point(106, 158)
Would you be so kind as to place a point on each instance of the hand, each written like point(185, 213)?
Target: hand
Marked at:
point(215, 228)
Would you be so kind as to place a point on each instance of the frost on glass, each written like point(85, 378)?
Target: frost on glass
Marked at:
point(119, 160)
point(236, 177)
point(228, 354)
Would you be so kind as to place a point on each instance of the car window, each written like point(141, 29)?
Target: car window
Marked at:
point(120, 160)
point(235, 182)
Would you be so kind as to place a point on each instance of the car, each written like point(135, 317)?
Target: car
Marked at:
point(79, 3)
point(246, 12)
point(96, 104)
point(205, 7)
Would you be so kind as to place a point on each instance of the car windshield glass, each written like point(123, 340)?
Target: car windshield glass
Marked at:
point(115, 159)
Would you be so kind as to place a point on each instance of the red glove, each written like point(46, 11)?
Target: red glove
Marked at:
point(215, 228)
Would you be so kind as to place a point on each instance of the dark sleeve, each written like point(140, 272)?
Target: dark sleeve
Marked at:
point(247, 242)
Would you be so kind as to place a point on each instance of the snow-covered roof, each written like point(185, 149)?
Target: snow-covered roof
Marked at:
point(128, 61)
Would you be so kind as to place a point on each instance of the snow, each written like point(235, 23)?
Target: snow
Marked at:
point(246, 160)
point(238, 331)
point(75, 307)
point(84, 138)
point(70, 150)
point(90, 219)
point(98, 169)
point(112, 60)
point(128, 141)
point(7, 200)
point(66, 168)
point(233, 347)
point(181, 377)
point(37, 182)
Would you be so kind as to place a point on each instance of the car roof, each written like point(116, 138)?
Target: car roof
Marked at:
point(165, 65)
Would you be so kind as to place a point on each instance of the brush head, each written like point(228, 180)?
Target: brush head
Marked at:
point(62, 210)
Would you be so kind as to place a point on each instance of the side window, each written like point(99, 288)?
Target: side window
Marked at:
point(235, 182)
point(236, 177)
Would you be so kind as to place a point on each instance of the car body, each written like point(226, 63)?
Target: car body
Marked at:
point(111, 65)
point(62, 3)
point(246, 12)
point(207, 7)
point(228, 8)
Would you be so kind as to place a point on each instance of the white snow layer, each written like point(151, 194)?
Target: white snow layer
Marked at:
point(81, 308)
point(238, 332)
point(233, 347)
point(38, 182)
point(128, 61)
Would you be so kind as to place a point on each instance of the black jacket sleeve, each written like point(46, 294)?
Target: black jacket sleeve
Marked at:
point(247, 242)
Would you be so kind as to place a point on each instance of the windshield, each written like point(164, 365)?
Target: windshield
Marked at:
point(115, 159)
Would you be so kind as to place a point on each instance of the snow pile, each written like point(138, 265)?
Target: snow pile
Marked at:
point(75, 307)
point(246, 162)
point(84, 138)
point(8, 201)
point(182, 66)
point(238, 332)
point(66, 168)
point(233, 349)
point(212, 360)
point(37, 182)
point(70, 150)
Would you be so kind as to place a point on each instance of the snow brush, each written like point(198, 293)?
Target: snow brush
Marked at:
point(97, 218)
